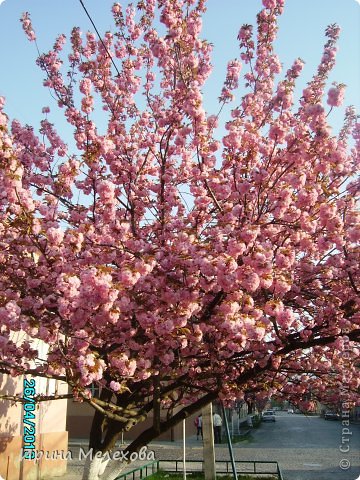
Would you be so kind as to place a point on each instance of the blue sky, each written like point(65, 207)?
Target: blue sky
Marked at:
point(301, 34)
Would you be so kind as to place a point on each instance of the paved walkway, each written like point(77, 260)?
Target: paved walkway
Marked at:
point(162, 451)
point(296, 463)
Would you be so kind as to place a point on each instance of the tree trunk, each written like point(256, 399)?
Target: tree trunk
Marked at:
point(115, 469)
point(102, 451)
point(94, 468)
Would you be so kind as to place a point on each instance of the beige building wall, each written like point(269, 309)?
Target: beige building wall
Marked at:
point(80, 416)
point(51, 434)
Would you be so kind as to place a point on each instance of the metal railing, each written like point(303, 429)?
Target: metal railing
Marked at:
point(257, 467)
point(172, 466)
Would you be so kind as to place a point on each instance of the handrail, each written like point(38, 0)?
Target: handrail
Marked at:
point(144, 469)
point(275, 471)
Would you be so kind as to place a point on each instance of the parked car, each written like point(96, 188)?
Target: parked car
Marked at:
point(268, 416)
point(331, 415)
point(290, 410)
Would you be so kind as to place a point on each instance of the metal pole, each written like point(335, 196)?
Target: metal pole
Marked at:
point(229, 443)
point(184, 450)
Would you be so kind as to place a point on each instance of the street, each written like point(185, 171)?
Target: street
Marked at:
point(307, 448)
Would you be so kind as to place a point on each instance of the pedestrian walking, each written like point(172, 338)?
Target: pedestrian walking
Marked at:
point(198, 425)
point(217, 422)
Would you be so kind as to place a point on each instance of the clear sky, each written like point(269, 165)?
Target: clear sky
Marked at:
point(301, 34)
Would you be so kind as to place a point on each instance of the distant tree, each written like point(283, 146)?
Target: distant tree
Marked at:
point(166, 267)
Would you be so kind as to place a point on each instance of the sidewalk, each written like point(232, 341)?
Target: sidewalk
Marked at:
point(163, 450)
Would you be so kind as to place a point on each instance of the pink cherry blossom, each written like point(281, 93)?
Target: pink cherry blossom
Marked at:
point(336, 96)
point(27, 26)
point(171, 255)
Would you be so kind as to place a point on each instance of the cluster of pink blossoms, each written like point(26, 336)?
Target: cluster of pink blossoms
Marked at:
point(336, 96)
point(91, 369)
point(27, 26)
point(159, 253)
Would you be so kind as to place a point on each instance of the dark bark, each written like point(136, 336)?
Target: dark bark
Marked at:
point(112, 435)
point(150, 434)
point(157, 405)
point(99, 424)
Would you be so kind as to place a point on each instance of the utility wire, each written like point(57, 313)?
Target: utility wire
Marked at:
point(98, 34)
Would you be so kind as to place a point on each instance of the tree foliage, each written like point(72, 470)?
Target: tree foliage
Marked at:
point(167, 266)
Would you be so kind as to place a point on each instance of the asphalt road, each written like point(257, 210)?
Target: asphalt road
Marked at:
point(307, 448)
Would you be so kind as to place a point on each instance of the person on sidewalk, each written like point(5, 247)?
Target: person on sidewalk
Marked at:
point(217, 422)
point(198, 425)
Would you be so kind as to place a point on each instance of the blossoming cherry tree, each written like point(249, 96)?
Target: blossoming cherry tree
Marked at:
point(165, 265)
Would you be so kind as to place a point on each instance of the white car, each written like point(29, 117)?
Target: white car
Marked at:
point(268, 416)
